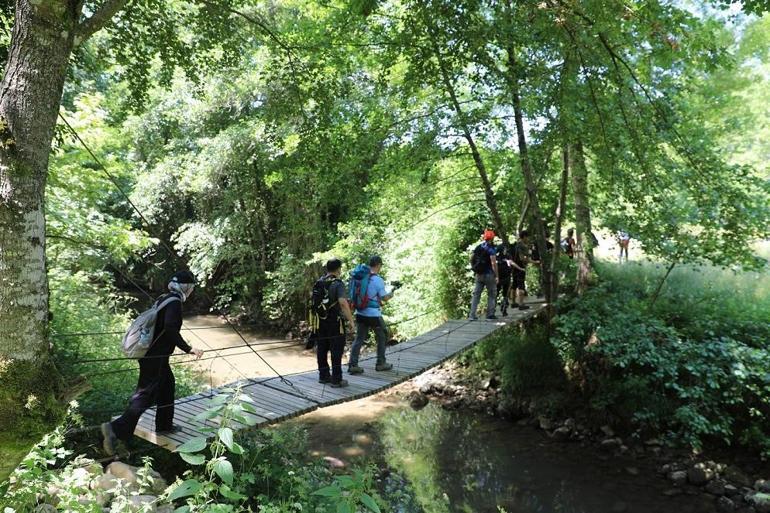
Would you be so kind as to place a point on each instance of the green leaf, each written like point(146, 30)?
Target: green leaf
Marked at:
point(344, 507)
point(224, 469)
point(346, 481)
point(249, 408)
point(368, 501)
point(228, 493)
point(226, 436)
point(245, 398)
point(193, 445)
point(236, 448)
point(185, 489)
point(328, 491)
point(193, 459)
point(206, 415)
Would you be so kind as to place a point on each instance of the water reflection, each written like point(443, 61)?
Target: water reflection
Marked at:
point(456, 462)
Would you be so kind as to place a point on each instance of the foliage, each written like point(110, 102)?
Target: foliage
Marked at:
point(687, 366)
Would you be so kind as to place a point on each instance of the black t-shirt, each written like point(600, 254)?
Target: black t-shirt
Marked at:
point(167, 327)
point(503, 257)
point(336, 291)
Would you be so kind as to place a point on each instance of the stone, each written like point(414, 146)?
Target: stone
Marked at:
point(561, 433)
point(607, 430)
point(45, 508)
point(426, 389)
point(632, 471)
point(653, 442)
point(672, 492)
point(761, 485)
point(125, 472)
point(166, 508)
point(334, 462)
point(760, 501)
point(724, 504)
point(716, 487)
point(736, 476)
point(418, 401)
point(545, 423)
point(105, 482)
point(143, 503)
point(570, 423)
point(678, 477)
point(700, 474)
point(730, 490)
point(610, 444)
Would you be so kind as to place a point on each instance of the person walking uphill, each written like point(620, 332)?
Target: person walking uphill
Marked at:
point(368, 293)
point(330, 303)
point(156, 381)
point(484, 266)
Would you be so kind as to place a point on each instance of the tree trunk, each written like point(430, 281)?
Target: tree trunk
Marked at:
point(489, 194)
point(529, 179)
point(559, 217)
point(41, 43)
point(584, 238)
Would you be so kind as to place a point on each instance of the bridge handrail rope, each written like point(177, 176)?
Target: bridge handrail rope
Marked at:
point(170, 251)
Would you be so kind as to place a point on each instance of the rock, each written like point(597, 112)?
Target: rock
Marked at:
point(334, 462)
point(632, 471)
point(143, 503)
point(418, 401)
point(125, 472)
point(760, 501)
point(653, 442)
point(608, 432)
point(716, 487)
point(166, 508)
point(610, 444)
point(671, 492)
point(736, 476)
point(746, 510)
point(724, 504)
point(426, 389)
point(490, 382)
point(105, 482)
point(761, 485)
point(561, 433)
point(700, 474)
point(730, 490)
point(678, 477)
point(545, 423)
point(570, 423)
point(44, 508)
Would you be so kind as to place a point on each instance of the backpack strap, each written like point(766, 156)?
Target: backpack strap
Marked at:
point(161, 305)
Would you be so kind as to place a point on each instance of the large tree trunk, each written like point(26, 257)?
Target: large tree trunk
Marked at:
point(582, 217)
point(41, 43)
point(559, 218)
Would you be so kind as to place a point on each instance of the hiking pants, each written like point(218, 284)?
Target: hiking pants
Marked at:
point(155, 387)
point(330, 340)
point(363, 324)
point(487, 281)
point(504, 287)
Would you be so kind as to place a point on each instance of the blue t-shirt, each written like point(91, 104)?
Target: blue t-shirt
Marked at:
point(375, 291)
point(492, 252)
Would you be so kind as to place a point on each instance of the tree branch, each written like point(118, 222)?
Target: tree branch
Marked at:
point(99, 19)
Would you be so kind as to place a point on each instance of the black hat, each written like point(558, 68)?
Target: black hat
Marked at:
point(184, 277)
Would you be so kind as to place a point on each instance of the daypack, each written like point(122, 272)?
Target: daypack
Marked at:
point(320, 305)
point(358, 287)
point(141, 334)
point(480, 262)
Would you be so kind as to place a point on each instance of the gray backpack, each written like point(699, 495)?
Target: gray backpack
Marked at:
point(140, 335)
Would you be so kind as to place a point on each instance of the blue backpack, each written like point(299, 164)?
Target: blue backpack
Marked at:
point(358, 287)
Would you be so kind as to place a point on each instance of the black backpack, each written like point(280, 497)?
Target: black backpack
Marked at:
point(480, 262)
point(320, 307)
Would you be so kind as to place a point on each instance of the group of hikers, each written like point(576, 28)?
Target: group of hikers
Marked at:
point(337, 310)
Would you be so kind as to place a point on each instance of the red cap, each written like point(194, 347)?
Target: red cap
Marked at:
point(489, 235)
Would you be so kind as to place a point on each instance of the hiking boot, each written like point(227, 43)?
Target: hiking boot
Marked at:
point(383, 366)
point(504, 313)
point(324, 381)
point(491, 317)
point(339, 384)
point(355, 369)
point(108, 444)
point(473, 318)
point(523, 307)
point(168, 431)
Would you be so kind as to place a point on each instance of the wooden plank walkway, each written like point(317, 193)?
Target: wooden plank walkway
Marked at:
point(276, 399)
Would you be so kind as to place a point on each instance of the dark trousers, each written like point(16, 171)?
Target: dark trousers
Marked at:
point(330, 340)
point(504, 288)
point(155, 387)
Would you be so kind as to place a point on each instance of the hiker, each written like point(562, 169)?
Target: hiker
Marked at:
point(568, 243)
point(372, 294)
point(484, 267)
point(504, 270)
point(623, 241)
point(330, 302)
point(156, 381)
point(520, 260)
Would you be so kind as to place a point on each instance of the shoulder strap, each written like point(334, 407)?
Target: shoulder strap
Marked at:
point(168, 301)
